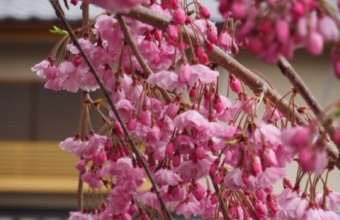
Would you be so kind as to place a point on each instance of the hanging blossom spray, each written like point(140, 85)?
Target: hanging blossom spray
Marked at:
point(209, 155)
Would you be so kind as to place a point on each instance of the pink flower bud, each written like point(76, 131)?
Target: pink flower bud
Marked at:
point(200, 152)
point(179, 16)
point(132, 123)
point(218, 178)
point(210, 46)
point(260, 195)
point(272, 205)
point(269, 157)
point(81, 165)
point(213, 168)
point(193, 92)
point(256, 45)
point(169, 150)
point(118, 128)
point(225, 41)
point(100, 159)
point(328, 29)
point(238, 9)
point(256, 165)
point(298, 10)
point(173, 3)
point(184, 73)
point(336, 136)
point(173, 31)
point(198, 192)
point(287, 183)
point(172, 109)
point(315, 43)
point(217, 104)
point(260, 209)
point(107, 145)
point(74, 2)
point(306, 159)
point(212, 35)
point(204, 12)
point(154, 133)
point(145, 117)
point(158, 34)
point(176, 160)
point(235, 84)
point(282, 30)
point(296, 138)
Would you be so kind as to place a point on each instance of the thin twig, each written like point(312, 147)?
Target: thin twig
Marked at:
point(112, 105)
point(140, 59)
point(131, 43)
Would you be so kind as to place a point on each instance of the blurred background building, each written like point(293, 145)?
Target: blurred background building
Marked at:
point(34, 172)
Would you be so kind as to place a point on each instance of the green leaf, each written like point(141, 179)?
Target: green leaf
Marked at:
point(232, 142)
point(57, 30)
point(336, 114)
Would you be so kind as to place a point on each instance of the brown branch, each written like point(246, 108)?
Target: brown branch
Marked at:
point(294, 78)
point(131, 43)
point(219, 57)
point(224, 210)
point(85, 16)
point(289, 72)
point(112, 105)
point(83, 133)
point(140, 59)
point(80, 191)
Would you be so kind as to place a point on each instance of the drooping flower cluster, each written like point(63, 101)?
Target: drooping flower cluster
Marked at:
point(210, 156)
point(281, 26)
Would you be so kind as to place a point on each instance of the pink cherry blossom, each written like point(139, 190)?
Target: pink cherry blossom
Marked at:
point(282, 30)
point(164, 79)
point(204, 11)
point(195, 170)
point(315, 43)
point(167, 177)
point(148, 198)
point(225, 41)
point(190, 119)
point(190, 206)
point(116, 6)
point(125, 108)
point(296, 138)
point(179, 16)
point(204, 73)
point(328, 29)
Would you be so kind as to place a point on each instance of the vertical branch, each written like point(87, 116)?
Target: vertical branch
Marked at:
point(83, 133)
point(85, 17)
point(80, 191)
point(114, 109)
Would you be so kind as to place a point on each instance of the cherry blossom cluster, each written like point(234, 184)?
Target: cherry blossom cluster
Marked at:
point(210, 156)
point(281, 26)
